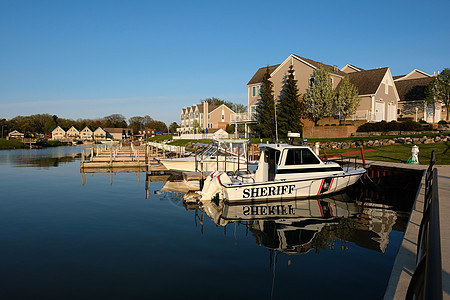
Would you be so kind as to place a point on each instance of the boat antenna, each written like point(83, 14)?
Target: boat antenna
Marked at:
point(276, 122)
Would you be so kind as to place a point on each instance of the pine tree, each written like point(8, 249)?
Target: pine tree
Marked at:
point(289, 109)
point(265, 108)
point(347, 100)
point(320, 96)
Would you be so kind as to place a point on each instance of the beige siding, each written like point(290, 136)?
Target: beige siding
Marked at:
point(365, 103)
point(216, 116)
point(303, 73)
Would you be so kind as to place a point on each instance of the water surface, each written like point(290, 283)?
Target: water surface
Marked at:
point(65, 240)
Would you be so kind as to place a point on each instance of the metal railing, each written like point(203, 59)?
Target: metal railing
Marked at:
point(426, 282)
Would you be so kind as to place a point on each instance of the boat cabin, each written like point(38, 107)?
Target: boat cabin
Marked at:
point(283, 162)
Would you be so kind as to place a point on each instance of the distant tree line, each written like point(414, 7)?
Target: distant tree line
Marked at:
point(45, 123)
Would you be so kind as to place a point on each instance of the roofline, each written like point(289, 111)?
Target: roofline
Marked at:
point(415, 70)
point(352, 67)
point(395, 88)
point(220, 106)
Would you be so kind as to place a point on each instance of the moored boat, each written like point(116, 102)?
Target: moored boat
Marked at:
point(221, 155)
point(285, 171)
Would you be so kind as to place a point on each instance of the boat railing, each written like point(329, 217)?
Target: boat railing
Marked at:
point(230, 160)
point(426, 282)
point(347, 161)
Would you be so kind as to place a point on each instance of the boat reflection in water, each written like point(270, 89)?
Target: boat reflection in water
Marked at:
point(298, 226)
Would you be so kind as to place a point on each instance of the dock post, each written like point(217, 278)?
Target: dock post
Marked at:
point(195, 160)
point(201, 163)
point(248, 145)
point(146, 155)
point(363, 158)
point(239, 158)
point(225, 161)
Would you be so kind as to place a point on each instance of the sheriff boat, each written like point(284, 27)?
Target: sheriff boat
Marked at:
point(285, 171)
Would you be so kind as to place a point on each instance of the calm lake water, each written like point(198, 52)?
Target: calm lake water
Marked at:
point(61, 239)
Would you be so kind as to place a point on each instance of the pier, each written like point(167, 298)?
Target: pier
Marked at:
point(405, 263)
point(144, 156)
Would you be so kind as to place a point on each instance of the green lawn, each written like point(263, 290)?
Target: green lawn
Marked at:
point(401, 153)
point(353, 139)
point(160, 138)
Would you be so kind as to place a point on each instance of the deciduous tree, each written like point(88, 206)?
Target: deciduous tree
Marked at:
point(320, 96)
point(173, 127)
point(347, 100)
point(439, 90)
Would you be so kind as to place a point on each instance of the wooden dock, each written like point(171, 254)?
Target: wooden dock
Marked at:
point(145, 156)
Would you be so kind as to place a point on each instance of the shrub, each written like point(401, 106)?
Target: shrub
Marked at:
point(393, 126)
point(383, 126)
point(410, 126)
point(405, 119)
point(442, 122)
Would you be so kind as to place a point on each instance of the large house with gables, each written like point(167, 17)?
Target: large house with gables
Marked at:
point(58, 133)
point(72, 133)
point(377, 90)
point(86, 134)
point(206, 117)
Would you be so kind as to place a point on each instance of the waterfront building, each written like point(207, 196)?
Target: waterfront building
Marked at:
point(99, 134)
point(58, 133)
point(379, 97)
point(15, 135)
point(119, 133)
point(205, 117)
point(86, 134)
point(72, 133)
point(143, 134)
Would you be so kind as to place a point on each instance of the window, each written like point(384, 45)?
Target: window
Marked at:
point(311, 81)
point(252, 111)
point(301, 157)
point(256, 91)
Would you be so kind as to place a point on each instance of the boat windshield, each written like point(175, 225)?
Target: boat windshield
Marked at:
point(272, 155)
point(302, 156)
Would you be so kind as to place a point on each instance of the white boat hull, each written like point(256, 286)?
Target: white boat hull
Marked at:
point(188, 164)
point(285, 189)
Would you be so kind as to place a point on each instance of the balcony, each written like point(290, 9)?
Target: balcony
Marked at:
point(242, 118)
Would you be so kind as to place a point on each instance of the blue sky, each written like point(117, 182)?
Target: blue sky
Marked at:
point(90, 59)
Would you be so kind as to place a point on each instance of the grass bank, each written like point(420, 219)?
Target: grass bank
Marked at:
point(401, 153)
point(354, 139)
point(11, 144)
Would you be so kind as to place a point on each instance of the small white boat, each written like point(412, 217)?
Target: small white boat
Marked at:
point(222, 155)
point(284, 172)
